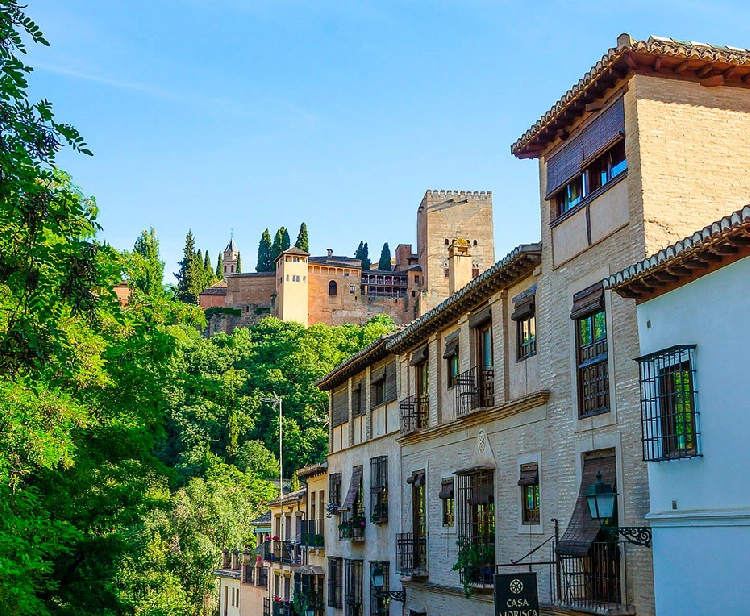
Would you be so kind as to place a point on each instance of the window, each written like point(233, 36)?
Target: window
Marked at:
point(476, 524)
point(351, 289)
point(339, 407)
point(379, 489)
point(333, 288)
point(529, 482)
point(591, 351)
point(335, 577)
point(474, 272)
point(383, 384)
point(295, 278)
point(353, 587)
point(524, 314)
point(669, 417)
point(570, 195)
point(449, 502)
point(334, 489)
point(451, 357)
point(379, 602)
point(358, 398)
point(378, 392)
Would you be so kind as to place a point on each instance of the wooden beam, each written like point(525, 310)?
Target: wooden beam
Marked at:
point(657, 63)
point(695, 263)
point(726, 249)
point(683, 66)
point(678, 270)
point(746, 78)
point(703, 72)
point(741, 240)
point(619, 74)
point(730, 72)
point(640, 287)
point(709, 257)
point(712, 82)
point(630, 61)
point(596, 106)
point(665, 276)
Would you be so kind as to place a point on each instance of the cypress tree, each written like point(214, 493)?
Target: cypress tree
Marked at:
point(302, 242)
point(219, 273)
point(276, 248)
point(239, 263)
point(366, 263)
point(285, 241)
point(149, 272)
point(186, 273)
point(385, 258)
point(264, 253)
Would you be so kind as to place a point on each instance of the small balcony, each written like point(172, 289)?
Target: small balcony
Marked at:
point(474, 389)
point(592, 583)
point(353, 528)
point(414, 413)
point(411, 554)
point(272, 551)
point(312, 537)
point(291, 553)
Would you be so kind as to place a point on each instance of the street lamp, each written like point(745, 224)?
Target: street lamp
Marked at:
point(310, 610)
point(601, 499)
point(377, 576)
point(277, 400)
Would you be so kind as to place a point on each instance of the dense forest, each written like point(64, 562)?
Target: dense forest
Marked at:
point(132, 449)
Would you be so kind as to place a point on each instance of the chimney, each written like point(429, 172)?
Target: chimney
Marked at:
point(330, 252)
point(459, 265)
point(225, 561)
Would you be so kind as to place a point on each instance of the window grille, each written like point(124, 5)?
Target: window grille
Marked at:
point(669, 416)
point(378, 601)
point(591, 351)
point(447, 497)
point(335, 577)
point(262, 577)
point(353, 587)
point(379, 489)
point(358, 398)
point(334, 489)
point(592, 582)
point(476, 523)
point(529, 482)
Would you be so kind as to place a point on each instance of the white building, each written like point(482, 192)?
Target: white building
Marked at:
point(693, 314)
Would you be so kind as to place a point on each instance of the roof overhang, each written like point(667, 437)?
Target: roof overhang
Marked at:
point(708, 65)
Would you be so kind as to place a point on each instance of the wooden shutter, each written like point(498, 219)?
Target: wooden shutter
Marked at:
point(339, 407)
point(390, 382)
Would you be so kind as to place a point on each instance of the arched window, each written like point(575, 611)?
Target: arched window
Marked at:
point(475, 242)
point(447, 242)
point(332, 288)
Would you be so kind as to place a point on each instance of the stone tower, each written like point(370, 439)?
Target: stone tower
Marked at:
point(292, 301)
point(442, 217)
point(229, 262)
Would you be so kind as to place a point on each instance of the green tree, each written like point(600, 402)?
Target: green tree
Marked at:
point(303, 242)
point(276, 247)
point(219, 272)
point(385, 258)
point(147, 268)
point(239, 262)
point(186, 275)
point(254, 459)
point(363, 254)
point(286, 242)
point(265, 263)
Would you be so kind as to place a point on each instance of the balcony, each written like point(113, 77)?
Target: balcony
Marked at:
point(291, 554)
point(261, 577)
point(272, 551)
point(411, 554)
point(312, 537)
point(474, 389)
point(414, 413)
point(592, 583)
point(353, 528)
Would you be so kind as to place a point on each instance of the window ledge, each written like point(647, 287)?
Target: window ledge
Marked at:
point(525, 357)
point(585, 201)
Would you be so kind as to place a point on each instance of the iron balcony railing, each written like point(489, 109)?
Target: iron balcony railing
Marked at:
point(261, 579)
point(312, 534)
point(352, 528)
point(592, 582)
point(272, 551)
point(414, 413)
point(411, 554)
point(474, 389)
point(266, 606)
point(291, 553)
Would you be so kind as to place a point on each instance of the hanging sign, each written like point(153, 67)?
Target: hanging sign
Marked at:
point(516, 594)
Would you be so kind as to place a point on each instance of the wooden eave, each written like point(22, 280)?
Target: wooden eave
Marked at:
point(710, 66)
point(687, 266)
point(354, 364)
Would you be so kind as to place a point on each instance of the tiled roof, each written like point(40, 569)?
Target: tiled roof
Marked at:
point(312, 469)
point(292, 496)
point(252, 275)
point(618, 62)
point(334, 260)
point(263, 520)
point(231, 246)
point(218, 288)
point(707, 239)
point(295, 251)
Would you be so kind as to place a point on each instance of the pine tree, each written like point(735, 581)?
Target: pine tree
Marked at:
point(239, 263)
point(186, 274)
point(385, 258)
point(302, 242)
point(148, 268)
point(286, 243)
point(219, 273)
point(276, 248)
point(264, 253)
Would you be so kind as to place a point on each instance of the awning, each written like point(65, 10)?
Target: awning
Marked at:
point(446, 489)
point(524, 305)
point(478, 318)
point(416, 479)
point(591, 299)
point(351, 495)
point(311, 570)
point(582, 530)
point(474, 469)
point(419, 356)
point(529, 475)
point(451, 349)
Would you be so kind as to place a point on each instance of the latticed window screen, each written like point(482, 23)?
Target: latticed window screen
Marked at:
point(339, 406)
point(353, 587)
point(475, 501)
point(334, 488)
point(379, 489)
point(335, 577)
point(358, 398)
point(591, 351)
point(390, 381)
point(669, 417)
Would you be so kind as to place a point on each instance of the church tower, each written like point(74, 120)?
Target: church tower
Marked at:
point(229, 262)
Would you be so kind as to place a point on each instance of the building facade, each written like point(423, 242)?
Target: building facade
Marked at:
point(692, 298)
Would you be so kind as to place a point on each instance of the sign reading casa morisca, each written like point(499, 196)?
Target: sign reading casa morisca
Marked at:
point(516, 595)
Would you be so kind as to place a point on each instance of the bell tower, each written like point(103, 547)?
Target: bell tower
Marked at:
point(229, 262)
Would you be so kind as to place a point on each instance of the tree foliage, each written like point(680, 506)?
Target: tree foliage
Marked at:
point(303, 243)
point(385, 258)
point(146, 272)
point(363, 254)
point(239, 263)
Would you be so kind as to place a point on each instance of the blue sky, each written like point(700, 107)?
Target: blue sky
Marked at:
point(242, 114)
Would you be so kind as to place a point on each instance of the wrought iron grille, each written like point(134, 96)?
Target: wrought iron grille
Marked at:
point(335, 578)
point(268, 554)
point(312, 534)
point(379, 489)
point(414, 413)
point(266, 606)
point(592, 581)
point(411, 554)
point(353, 601)
point(474, 389)
point(593, 369)
point(291, 553)
point(669, 415)
point(334, 489)
point(378, 600)
point(261, 579)
point(475, 500)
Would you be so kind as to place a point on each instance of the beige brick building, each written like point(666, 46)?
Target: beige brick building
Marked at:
point(518, 389)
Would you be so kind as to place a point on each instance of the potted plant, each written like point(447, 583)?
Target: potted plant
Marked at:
point(332, 509)
point(346, 528)
point(474, 562)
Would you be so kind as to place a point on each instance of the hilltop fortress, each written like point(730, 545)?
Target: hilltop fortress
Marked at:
point(454, 245)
